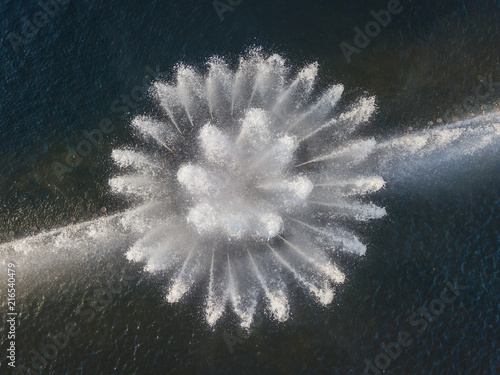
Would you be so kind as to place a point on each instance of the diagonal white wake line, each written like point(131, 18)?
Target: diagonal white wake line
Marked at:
point(347, 239)
point(327, 268)
point(328, 101)
point(238, 77)
point(186, 109)
point(327, 125)
point(23, 245)
point(232, 287)
point(211, 280)
point(354, 153)
point(172, 118)
point(180, 286)
point(324, 294)
point(360, 211)
point(306, 76)
point(148, 127)
point(360, 185)
point(246, 315)
point(185, 91)
point(262, 281)
point(214, 309)
point(163, 93)
point(434, 154)
point(360, 113)
point(277, 301)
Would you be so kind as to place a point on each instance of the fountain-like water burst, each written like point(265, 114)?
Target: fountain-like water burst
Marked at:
point(244, 201)
point(248, 182)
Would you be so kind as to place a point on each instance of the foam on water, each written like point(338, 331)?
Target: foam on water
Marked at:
point(269, 174)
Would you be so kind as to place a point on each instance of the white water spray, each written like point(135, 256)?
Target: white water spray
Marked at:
point(249, 182)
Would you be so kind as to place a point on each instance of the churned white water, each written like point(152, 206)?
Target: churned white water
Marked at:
point(250, 181)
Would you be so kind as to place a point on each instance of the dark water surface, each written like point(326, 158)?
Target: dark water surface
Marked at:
point(81, 69)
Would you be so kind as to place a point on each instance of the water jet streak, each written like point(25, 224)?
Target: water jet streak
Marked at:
point(323, 293)
point(215, 303)
point(277, 301)
point(182, 282)
point(325, 266)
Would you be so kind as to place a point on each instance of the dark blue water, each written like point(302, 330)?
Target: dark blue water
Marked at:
point(81, 68)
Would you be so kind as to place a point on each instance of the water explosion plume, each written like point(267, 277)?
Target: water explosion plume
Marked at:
point(247, 181)
point(239, 198)
point(238, 201)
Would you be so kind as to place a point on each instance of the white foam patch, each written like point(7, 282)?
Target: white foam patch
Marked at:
point(278, 305)
point(254, 131)
point(270, 225)
point(291, 192)
point(197, 180)
point(204, 217)
point(216, 145)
